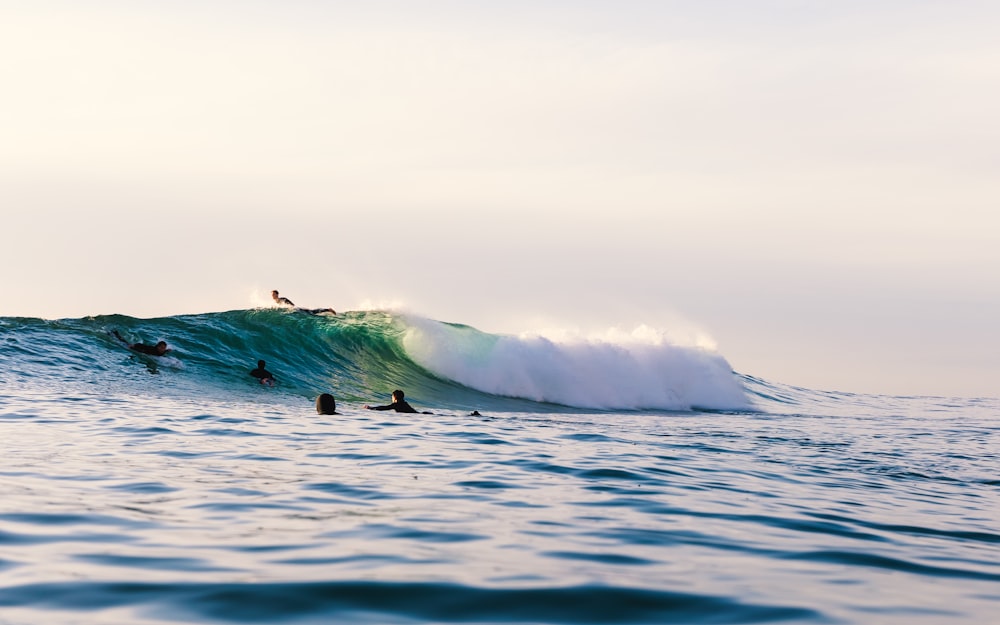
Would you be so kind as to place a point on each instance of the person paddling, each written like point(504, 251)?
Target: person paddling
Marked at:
point(151, 350)
point(281, 301)
point(399, 404)
point(287, 303)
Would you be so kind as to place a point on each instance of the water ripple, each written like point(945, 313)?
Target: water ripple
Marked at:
point(374, 602)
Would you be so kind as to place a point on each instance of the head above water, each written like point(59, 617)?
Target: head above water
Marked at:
point(326, 404)
point(261, 364)
point(161, 347)
point(397, 395)
point(274, 295)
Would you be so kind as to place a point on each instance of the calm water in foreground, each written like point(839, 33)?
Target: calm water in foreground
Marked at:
point(816, 509)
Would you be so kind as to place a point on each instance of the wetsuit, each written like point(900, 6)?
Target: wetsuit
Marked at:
point(139, 347)
point(262, 374)
point(284, 301)
point(145, 349)
point(398, 406)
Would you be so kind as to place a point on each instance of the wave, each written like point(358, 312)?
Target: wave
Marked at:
point(362, 356)
point(636, 370)
point(414, 602)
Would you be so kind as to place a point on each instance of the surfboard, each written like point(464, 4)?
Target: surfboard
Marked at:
point(327, 312)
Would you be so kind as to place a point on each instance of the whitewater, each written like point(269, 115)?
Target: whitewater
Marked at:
point(625, 478)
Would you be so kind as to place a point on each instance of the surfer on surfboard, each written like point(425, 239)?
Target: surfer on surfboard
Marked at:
point(151, 350)
point(281, 301)
point(287, 303)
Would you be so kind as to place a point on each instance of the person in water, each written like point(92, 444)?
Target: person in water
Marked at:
point(281, 301)
point(287, 303)
point(262, 374)
point(152, 350)
point(326, 404)
point(398, 404)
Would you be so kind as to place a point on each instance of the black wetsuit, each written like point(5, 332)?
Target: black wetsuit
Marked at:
point(145, 349)
point(284, 301)
point(262, 374)
point(142, 348)
point(398, 406)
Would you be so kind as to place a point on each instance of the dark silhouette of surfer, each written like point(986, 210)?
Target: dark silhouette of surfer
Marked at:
point(151, 350)
point(287, 303)
point(281, 301)
point(326, 404)
point(262, 374)
point(398, 404)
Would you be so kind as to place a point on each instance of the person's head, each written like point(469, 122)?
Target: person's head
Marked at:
point(161, 348)
point(274, 295)
point(397, 395)
point(261, 364)
point(326, 404)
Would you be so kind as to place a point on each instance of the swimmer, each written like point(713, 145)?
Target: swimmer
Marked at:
point(263, 375)
point(326, 404)
point(398, 404)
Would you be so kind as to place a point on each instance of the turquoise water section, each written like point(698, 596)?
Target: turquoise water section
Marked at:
point(364, 356)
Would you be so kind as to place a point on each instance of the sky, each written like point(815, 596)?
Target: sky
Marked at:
point(813, 186)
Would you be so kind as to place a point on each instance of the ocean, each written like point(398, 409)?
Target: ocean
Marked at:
point(627, 479)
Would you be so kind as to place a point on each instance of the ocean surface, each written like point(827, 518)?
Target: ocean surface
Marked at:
point(621, 480)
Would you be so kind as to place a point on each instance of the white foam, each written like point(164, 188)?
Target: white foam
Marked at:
point(261, 300)
point(617, 369)
point(170, 361)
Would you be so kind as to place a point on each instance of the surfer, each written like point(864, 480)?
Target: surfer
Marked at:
point(262, 374)
point(287, 303)
point(326, 404)
point(281, 301)
point(152, 350)
point(398, 404)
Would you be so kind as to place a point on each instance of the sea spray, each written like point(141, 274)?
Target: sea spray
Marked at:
point(618, 370)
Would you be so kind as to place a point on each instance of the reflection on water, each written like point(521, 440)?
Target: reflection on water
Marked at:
point(152, 509)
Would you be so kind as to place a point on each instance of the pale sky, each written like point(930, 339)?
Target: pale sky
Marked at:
point(814, 185)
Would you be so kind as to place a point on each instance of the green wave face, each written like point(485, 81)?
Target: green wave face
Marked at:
point(356, 356)
point(361, 357)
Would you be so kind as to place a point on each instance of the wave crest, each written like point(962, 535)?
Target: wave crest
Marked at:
point(641, 369)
